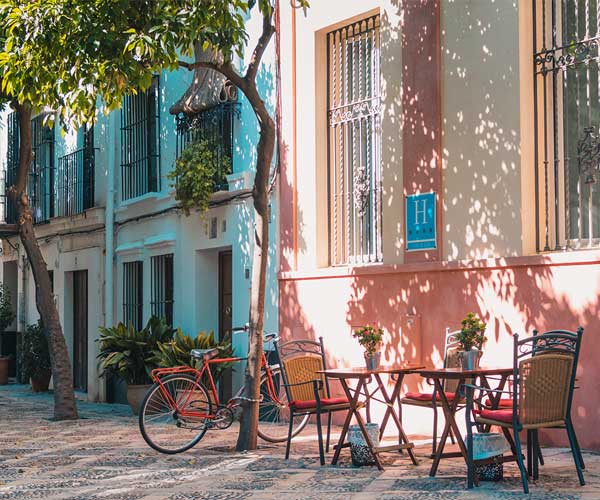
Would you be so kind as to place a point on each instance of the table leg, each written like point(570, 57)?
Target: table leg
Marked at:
point(402, 437)
point(353, 400)
point(449, 413)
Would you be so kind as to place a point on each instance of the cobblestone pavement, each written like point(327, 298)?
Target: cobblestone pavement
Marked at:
point(102, 456)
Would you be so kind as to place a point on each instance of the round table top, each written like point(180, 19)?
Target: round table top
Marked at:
point(359, 372)
point(457, 373)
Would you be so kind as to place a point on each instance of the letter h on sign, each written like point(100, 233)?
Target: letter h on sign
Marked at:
point(420, 222)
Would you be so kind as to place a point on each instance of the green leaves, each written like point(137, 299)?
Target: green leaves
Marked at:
point(34, 356)
point(369, 337)
point(472, 332)
point(197, 171)
point(126, 352)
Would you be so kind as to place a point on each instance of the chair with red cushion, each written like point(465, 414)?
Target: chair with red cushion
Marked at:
point(431, 399)
point(307, 390)
point(544, 368)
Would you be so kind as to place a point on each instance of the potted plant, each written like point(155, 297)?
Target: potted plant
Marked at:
point(6, 318)
point(370, 338)
point(471, 339)
point(126, 353)
point(35, 357)
point(176, 352)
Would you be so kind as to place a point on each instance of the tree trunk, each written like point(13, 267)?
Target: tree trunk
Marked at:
point(248, 436)
point(64, 397)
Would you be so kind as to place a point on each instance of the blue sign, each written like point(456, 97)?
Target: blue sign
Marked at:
point(420, 222)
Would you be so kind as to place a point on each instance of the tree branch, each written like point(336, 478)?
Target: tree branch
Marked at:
point(224, 68)
point(261, 45)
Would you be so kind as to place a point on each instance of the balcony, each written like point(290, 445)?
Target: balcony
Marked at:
point(215, 124)
point(74, 183)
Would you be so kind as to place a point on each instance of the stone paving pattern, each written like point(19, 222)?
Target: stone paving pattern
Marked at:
point(102, 456)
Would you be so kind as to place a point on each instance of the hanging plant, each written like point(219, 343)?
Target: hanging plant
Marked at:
point(198, 170)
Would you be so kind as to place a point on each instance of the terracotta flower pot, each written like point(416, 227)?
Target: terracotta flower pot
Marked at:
point(41, 382)
point(135, 395)
point(4, 370)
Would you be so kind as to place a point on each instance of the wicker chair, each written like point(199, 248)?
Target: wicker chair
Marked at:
point(542, 394)
point(431, 400)
point(307, 390)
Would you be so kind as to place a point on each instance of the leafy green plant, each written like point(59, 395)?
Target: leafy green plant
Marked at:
point(471, 333)
point(7, 314)
point(126, 352)
point(34, 355)
point(177, 351)
point(369, 337)
point(197, 171)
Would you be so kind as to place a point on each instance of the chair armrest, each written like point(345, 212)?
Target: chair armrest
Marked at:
point(318, 382)
point(486, 389)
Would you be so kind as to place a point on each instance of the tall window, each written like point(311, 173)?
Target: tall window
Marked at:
point(133, 294)
point(140, 150)
point(162, 287)
point(354, 142)
point(41, 177)
point(567, 123)
point(74, 190)
point(12, 165)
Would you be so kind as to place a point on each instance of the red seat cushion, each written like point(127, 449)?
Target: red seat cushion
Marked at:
point(312, 403)
point(420, 396)
point(499, 415)
point(504, 403)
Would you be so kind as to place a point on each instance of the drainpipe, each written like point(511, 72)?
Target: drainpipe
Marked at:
point(109, 218)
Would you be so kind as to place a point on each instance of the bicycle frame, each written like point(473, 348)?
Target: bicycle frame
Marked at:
point(158, 373)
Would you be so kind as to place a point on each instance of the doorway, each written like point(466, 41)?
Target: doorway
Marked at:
point(80, 330)
point(225, 310)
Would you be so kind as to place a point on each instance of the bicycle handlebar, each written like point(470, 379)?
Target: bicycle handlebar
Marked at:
point(268, 336)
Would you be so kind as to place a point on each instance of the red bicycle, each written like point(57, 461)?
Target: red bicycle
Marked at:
point(179, 407)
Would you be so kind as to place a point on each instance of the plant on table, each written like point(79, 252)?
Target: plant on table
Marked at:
point(472, 333)
point(370, 338)
point(34, 357)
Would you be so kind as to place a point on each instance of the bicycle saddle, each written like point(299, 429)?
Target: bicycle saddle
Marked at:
point(204, 354)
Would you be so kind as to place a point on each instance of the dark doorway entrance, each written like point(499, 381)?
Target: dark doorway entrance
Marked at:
point(80, 330)
point(225, 308)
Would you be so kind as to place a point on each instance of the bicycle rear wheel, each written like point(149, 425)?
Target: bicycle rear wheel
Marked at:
point(161, 423)
point(274, 413)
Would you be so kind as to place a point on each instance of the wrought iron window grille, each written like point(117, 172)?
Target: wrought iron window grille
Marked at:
point(217, 125)
point(354, 143)
point(566, 100)
point(133, 289)
point(162, 287)
point(140, 142)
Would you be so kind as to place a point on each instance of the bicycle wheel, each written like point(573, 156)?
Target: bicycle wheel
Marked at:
point(274, 416)
point(161, 424)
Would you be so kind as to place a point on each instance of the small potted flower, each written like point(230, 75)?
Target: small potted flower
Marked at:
point(370, 338)
point(471, 339)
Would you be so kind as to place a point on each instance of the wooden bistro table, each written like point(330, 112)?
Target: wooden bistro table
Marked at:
point(483, 375)
point(362, 376)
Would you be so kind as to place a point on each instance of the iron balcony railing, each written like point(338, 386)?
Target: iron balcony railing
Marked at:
point(215, 125)
point(74, 186)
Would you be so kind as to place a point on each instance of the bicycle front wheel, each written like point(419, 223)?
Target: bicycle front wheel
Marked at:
point(274, 410)
point(163, 419)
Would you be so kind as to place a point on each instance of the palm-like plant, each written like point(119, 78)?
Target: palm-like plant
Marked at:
point(127, 352)
point(176, 352)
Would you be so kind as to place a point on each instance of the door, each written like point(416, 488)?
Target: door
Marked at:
point(225, 307)
point(80, 330)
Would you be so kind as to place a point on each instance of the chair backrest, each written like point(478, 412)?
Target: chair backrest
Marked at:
point(544, 372)
point(300, 360)
point(451, 357)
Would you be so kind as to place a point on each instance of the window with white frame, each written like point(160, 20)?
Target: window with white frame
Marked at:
point(354, 142)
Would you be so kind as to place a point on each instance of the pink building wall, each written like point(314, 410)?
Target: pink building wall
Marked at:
point(414, 303)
